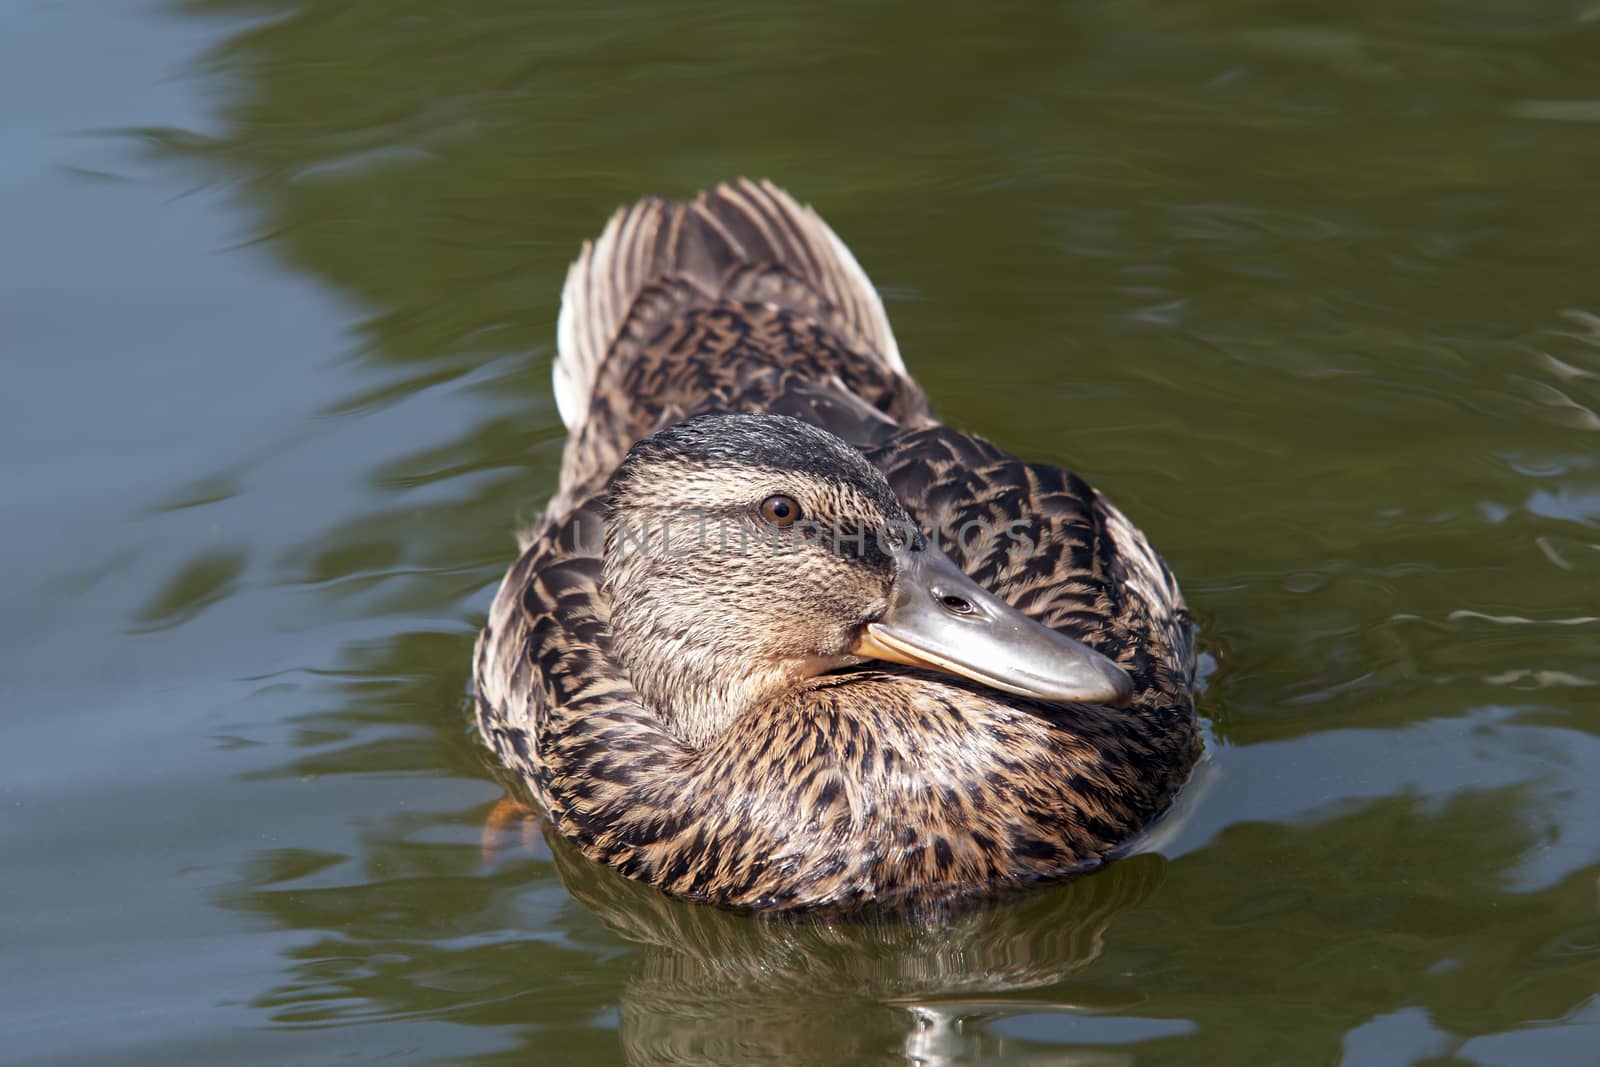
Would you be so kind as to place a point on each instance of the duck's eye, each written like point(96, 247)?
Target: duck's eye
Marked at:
point(780, 510)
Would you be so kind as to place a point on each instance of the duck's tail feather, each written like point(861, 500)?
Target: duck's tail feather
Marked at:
point(744, 240)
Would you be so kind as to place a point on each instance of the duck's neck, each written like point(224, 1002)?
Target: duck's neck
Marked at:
point(701, 671)
point(699, 708)
point(699, 690)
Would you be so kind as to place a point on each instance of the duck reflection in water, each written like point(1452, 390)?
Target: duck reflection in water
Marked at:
point(714, 987)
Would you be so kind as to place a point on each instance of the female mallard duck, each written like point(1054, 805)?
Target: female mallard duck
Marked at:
point(735, 661)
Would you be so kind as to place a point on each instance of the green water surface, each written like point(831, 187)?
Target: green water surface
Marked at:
point(1311, 290)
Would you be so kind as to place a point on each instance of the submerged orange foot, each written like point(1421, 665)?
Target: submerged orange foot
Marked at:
point(510, 814)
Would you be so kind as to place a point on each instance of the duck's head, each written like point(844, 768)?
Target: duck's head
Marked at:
point(746, 554)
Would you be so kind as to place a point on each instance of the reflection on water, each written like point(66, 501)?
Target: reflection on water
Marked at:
point(1172, 958)
point(712, 988)
point(1311, 294)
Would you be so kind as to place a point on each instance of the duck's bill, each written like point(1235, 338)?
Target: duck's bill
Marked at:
point(940, 619)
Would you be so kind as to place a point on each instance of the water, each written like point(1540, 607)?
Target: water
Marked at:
point(1310, 293)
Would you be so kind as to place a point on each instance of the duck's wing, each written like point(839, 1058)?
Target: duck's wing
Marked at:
point(544, 680)
point(1052, 546)
point(740, 300)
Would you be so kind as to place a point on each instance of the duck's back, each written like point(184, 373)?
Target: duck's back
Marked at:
point(740, 300)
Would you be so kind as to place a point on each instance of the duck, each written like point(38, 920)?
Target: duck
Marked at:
point(782, 641)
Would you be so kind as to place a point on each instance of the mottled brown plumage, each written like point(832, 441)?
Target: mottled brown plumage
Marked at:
point(770, 768)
